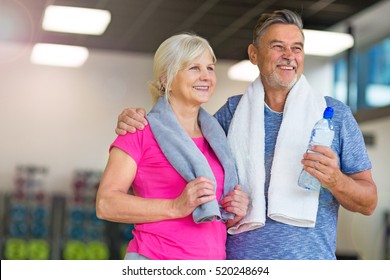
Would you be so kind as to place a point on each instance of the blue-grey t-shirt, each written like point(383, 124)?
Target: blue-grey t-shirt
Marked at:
point(279, 241)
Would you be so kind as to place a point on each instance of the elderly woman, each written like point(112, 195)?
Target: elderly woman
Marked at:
point(176, 179)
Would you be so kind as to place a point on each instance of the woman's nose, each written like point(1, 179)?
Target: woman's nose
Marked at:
point(204, 74)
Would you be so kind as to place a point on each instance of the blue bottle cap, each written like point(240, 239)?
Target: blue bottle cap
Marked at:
point(328, 113)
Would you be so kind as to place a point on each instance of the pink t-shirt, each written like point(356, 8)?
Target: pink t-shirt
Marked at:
point(156, 178)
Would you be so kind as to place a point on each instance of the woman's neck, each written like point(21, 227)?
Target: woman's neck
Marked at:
point(188, 119)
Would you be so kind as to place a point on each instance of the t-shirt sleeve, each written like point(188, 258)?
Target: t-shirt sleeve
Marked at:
point(130, 143)
point(353, 153)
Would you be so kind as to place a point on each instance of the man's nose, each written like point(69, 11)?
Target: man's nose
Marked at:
point(288, 53)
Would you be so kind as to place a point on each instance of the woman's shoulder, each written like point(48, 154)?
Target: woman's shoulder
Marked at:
point(139, 136)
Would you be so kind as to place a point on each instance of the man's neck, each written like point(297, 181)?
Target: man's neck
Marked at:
point(276, 100)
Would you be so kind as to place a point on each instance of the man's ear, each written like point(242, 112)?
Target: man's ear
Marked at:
point(252, 54)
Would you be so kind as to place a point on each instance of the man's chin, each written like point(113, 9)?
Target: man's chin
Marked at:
point(289, 84)
point(280, 82)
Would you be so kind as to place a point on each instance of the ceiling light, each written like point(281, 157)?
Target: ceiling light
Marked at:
point(243, 71)
point(325, 43)
point(76, 20)
point(59, 55)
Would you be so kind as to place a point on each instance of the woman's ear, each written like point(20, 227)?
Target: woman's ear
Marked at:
point(163, 84)
point(252, 54)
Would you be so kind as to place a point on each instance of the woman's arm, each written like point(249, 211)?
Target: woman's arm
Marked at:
point(113, 202)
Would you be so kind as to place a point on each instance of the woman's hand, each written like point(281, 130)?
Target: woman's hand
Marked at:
point(196, 192)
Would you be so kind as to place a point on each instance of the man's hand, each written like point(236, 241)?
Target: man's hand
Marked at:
point(236, 202)
point(130, 120)
point(323, 165)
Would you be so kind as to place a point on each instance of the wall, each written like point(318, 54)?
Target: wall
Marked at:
point(65, 118)
point(357, 233)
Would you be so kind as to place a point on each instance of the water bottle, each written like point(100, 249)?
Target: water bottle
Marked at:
point(322, 134)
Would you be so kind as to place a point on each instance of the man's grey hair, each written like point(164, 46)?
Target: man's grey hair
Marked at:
point(279, 16)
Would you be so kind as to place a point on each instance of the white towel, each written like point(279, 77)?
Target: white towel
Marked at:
point(287, 203)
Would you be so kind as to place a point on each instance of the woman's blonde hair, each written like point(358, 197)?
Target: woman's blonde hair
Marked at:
point(173, 55)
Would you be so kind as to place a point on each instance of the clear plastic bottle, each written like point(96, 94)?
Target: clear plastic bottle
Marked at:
point(322, 134)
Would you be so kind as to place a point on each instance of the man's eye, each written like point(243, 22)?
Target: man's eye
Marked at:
point(297, 49)
point(278, 47)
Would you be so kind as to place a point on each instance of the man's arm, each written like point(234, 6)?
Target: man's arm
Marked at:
point(355, 192)
point(131, 119)
point(348, 174)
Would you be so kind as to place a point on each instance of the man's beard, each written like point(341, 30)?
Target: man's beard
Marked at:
point(275, 81)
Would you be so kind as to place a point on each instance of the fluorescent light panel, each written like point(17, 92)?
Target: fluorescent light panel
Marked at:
point(325, 43)
point(319, 43)
point(75, 20)
point(59, 55)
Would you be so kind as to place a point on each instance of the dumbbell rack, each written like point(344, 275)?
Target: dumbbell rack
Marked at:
point(26, 212)
point(3, 223)
point(84, 235)
point(36, 225)
point(387, 235)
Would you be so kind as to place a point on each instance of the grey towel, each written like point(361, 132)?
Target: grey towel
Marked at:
point(186, 158)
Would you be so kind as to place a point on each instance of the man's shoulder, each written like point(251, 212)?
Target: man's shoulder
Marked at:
point(225, 114)
point(342, 112)
point(230, 105)
point(235, 99)
point(335, 103)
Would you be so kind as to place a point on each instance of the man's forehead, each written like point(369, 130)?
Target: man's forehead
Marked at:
point(283, 33)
